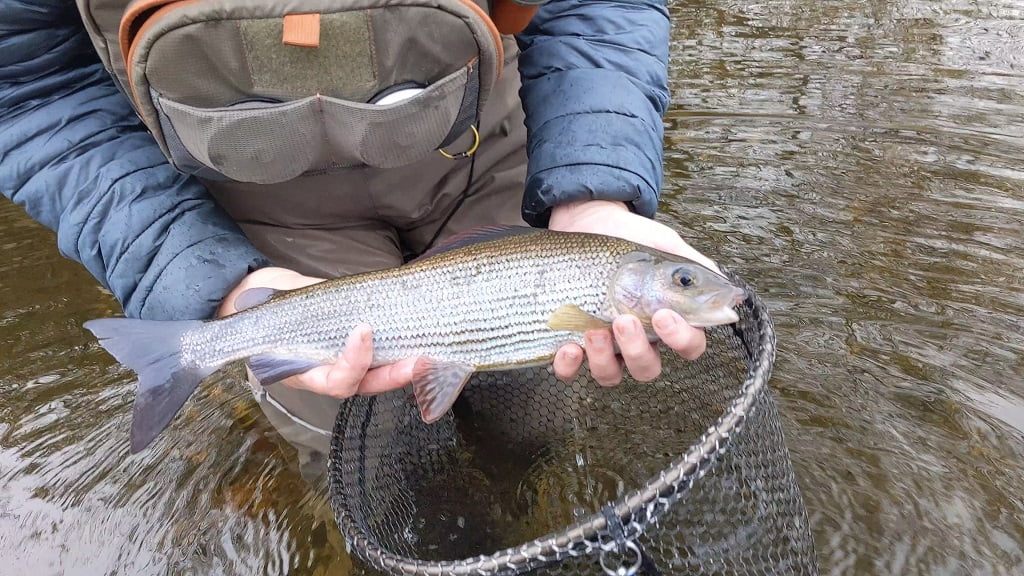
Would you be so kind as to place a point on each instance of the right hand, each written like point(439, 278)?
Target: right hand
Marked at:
point(350, 373)
point(637, 353)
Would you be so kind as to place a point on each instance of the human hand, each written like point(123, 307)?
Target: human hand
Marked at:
point(640, 357)
point(350, 374)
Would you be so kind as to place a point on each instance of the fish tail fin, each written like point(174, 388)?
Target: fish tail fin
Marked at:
point(152, 349)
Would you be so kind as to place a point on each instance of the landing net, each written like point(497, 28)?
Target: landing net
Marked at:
point(689, 474)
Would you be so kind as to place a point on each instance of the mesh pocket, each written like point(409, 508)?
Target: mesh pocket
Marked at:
point(274, 142)
point(252, 143)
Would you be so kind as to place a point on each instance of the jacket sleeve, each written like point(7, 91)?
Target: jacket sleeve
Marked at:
point(595, 90)
point(77, 159)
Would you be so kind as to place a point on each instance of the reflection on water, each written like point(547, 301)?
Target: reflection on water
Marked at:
point(859, 163)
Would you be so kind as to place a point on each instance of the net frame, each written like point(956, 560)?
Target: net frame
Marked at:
point(614, 529)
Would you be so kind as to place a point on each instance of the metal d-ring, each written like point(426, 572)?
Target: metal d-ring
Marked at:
point(624, 570)
point(467, 153)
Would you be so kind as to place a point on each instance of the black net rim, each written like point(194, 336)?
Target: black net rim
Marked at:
point(632, 511)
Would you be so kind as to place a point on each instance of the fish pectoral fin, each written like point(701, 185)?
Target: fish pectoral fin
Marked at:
point(253, 297)
point(436, 386)
point(268, 368)
point(571, 317)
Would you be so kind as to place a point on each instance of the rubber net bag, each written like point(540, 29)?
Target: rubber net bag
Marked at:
point(689, 474)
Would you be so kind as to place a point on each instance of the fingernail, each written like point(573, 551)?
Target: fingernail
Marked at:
point(571, 355)
point(626, 329)
point(666, 321)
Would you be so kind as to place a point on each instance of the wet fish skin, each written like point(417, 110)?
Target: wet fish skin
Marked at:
point(490, 299)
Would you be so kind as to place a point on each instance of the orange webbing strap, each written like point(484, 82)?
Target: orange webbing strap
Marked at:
point(509, 17)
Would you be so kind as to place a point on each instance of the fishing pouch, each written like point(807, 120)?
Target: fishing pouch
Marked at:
point(264, 91)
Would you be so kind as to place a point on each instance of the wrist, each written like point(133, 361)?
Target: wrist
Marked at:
point(564, 216)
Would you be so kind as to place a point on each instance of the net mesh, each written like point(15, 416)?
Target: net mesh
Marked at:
point(689, 474)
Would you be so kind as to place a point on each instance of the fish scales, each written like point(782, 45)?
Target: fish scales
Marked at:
point(493, 299)
point(488, 306)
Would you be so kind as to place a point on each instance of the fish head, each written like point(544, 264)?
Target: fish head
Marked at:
point(646, 283)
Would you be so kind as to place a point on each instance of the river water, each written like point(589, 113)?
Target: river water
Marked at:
point(858, 163)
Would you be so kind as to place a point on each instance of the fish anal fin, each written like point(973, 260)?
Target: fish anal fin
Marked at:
point(574, 319)
point(268, 368)
point(436, 386)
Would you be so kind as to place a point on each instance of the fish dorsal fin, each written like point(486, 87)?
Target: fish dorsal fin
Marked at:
point(475, 236)
point(253, 297)
point(573, 318)
point(437, 385)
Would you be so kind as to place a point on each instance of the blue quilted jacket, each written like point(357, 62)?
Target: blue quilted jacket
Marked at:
point(74, 155)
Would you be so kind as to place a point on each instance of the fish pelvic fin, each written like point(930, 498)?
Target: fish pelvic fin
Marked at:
point(574, 319)
point(436, 386)
point(152, 349)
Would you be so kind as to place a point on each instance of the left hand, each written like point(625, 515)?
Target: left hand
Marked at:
point(641, 357)
point(350, 374)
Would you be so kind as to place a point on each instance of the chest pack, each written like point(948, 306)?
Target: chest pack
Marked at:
point(264, 91)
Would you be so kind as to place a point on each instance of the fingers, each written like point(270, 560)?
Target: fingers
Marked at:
point(667, 240)
point(640, 356)
point(351, 373)
point(605, 366)
point(615, 219)
point(345, 375)
point(341, 379)
point(687, 341)
point(389, 377)
point(568, 361)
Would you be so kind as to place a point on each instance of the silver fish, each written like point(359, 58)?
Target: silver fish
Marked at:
point(489, 299)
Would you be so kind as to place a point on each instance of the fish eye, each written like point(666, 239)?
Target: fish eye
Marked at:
point(683, 277)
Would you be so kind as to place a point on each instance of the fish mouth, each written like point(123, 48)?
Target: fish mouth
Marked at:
point(739, 295)
point(730, 298)
point(719, 308)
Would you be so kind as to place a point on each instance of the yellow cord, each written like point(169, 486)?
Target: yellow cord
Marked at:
point(467, 153)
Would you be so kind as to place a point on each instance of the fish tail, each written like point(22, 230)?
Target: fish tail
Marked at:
point(152, 349)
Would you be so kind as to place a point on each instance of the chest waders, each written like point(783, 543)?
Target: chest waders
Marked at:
point(266, 91)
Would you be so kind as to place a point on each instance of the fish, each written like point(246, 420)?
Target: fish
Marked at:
point(491, 298)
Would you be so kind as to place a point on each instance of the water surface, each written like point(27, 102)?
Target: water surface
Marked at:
point(859, 163)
